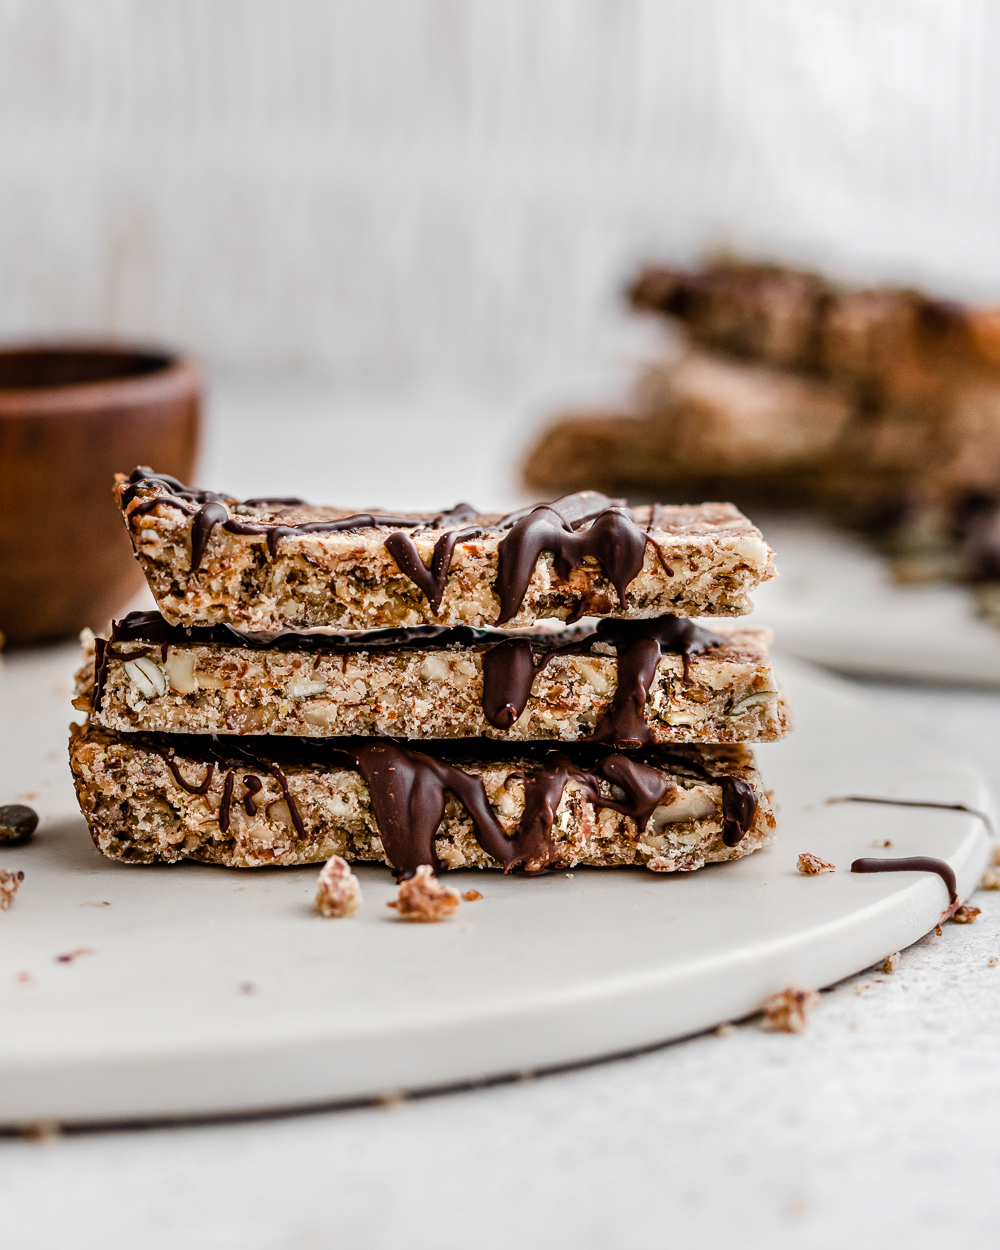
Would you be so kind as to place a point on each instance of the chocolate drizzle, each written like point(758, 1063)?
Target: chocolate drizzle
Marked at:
point(509, 664)
point(913, 863)
point(613, 539)
point(585, 524)
point(509, 671)
point(940, 807)
point(409, 788)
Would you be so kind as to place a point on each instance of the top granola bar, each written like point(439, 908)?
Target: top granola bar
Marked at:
point(273, 564)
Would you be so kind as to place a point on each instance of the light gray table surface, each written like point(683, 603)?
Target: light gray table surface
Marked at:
point(876, 1126)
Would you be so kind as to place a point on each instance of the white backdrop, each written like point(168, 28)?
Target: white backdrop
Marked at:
point(401, 193)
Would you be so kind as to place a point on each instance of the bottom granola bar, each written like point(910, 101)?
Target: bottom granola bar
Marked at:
point(251, 802)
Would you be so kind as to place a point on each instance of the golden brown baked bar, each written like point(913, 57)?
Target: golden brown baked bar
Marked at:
point(249, 803)
point(667, 679)
point(281, 564)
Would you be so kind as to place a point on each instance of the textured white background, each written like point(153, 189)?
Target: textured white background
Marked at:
point(418, 196)
point(403, 194)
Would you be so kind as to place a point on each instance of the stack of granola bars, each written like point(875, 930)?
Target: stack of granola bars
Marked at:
point(424, 689)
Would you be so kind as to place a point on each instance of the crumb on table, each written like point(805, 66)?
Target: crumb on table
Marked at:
point(338, 890)
point(811, 865)
point(423, 898)
point(9, 884)
point(786, 1011)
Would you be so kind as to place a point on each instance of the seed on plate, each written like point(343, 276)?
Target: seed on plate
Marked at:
point(17, 823)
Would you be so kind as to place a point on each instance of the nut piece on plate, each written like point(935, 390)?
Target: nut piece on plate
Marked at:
point(965, 914)
point(338, 892)
point(9, 882)
point(17, 823)
point(786, 1011)
point(890, 963)
point(811, 865)
point(423, 898)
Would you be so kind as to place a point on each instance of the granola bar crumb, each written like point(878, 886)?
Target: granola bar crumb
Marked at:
point(338, 891)
point(992, 961)
point(890, 963)
point(424, 899)
point(725, 1030)
point(9, 883)
point(786, 1011)
point(991, 879)
point(938, 931)
point(470, 896)
point(811, 865)
point(965, 914)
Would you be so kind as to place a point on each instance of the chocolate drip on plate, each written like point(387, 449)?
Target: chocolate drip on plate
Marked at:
point(913, 863)
point(940, 807)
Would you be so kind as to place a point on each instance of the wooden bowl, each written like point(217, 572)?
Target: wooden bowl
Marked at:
point(71, 416)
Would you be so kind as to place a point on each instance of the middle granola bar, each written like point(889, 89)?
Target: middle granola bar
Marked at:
point(664, 680)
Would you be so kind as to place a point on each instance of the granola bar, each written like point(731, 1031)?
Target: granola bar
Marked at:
point(698, 685)
point(266, 564)
point(278, 801)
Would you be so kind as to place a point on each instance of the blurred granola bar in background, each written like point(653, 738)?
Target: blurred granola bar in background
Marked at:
point(879, 406)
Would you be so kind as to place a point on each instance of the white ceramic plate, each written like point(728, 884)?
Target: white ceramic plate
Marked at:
point(202, 990)
point(835, 603)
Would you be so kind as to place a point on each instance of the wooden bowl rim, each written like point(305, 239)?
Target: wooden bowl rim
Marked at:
point(179, 377)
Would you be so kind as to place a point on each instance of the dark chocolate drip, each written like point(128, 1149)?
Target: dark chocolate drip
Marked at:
point(186, 785)
point(913, 863)
point(509, 671)
point(739, 807)
point(253, 785)
point(151, 627)
point(575, 509)
point(941, 807)
point(293, 807)
point(431, 581)
point(100, 672)
point(226, 806)
point(613, 539)
point(208, 516)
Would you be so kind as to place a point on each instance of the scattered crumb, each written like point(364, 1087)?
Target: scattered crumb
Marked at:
point(890, 963)
point(991, 879)
point(992, 961)
point(965, 914)
point(42, 1130)
point(724, 1030)
point(28, 796)
point(95, 904)
point(569, 875)
point(9, 883)
point(786, 1011)
point(882, 842)
point(853, 1025)
point(470, 896)
point(247, 987)
point(811, 865)
point(423, 898)
point(938, 930)
point(798, 1209)
point(80, 950)
point(338, 892)
point(24, 978)
point(861, 989)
